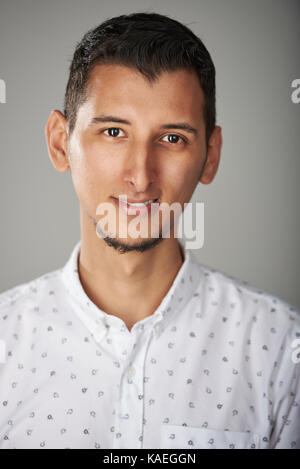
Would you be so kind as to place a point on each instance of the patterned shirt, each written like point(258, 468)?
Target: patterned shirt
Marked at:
point(212, 367)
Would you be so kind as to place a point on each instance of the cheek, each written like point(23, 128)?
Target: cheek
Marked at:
point(101, 163)
point(181, 179)
point(92, 173)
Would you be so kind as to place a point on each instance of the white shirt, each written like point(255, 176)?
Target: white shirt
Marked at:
point(210, 368)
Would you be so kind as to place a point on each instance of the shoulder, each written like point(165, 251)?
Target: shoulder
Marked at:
point(247, 304)
point(27, 299)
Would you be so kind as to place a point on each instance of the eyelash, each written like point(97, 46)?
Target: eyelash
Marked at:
point(179, 136)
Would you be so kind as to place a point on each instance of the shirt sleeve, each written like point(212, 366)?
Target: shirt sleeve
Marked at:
point(286, 429)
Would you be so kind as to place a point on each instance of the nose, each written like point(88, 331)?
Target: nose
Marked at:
point(139, 167)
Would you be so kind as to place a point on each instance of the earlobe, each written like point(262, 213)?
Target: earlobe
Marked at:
point(57, 140)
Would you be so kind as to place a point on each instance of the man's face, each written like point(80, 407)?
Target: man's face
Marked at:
point(141, 158)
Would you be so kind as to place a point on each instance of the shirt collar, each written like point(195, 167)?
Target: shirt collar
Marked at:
point(179, 294)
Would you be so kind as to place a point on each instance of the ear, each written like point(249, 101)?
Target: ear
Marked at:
point(56, 131)
point(213, 156)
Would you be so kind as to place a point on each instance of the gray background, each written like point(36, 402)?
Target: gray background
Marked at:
point(252, 206)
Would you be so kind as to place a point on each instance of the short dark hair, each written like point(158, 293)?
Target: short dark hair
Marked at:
point(148, 42)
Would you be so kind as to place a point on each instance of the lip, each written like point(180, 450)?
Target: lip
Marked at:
point(131, 201)
point(129, 210)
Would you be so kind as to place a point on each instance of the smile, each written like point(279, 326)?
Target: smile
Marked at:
point(137, 208)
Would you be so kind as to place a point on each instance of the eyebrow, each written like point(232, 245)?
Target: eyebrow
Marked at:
point(178, 125)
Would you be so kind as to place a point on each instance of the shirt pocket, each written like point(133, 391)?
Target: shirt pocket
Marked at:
point(184, 437)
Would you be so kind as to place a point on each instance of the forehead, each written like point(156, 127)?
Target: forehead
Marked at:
point(118, 87)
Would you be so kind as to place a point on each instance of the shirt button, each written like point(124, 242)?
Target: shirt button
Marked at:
point(130, 371)
point(158, 327)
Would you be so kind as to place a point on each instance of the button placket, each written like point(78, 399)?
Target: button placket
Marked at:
point(130, 412)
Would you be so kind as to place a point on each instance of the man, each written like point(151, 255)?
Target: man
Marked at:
point(134, 343)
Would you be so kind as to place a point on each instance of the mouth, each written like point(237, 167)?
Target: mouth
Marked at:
point(137, 208)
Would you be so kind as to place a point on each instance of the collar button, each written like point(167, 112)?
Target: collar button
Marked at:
point(158, 327)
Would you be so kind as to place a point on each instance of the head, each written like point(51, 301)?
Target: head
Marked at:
point(145, 71)
point(148, 42)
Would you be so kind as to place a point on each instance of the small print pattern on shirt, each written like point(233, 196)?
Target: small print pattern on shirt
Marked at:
point(211, 368)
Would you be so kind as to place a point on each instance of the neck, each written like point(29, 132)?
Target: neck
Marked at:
point(132, 285)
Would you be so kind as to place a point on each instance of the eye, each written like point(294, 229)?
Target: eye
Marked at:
point(114, 131)
point(174, 138)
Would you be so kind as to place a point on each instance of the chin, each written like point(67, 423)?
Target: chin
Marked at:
point(123, 245)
